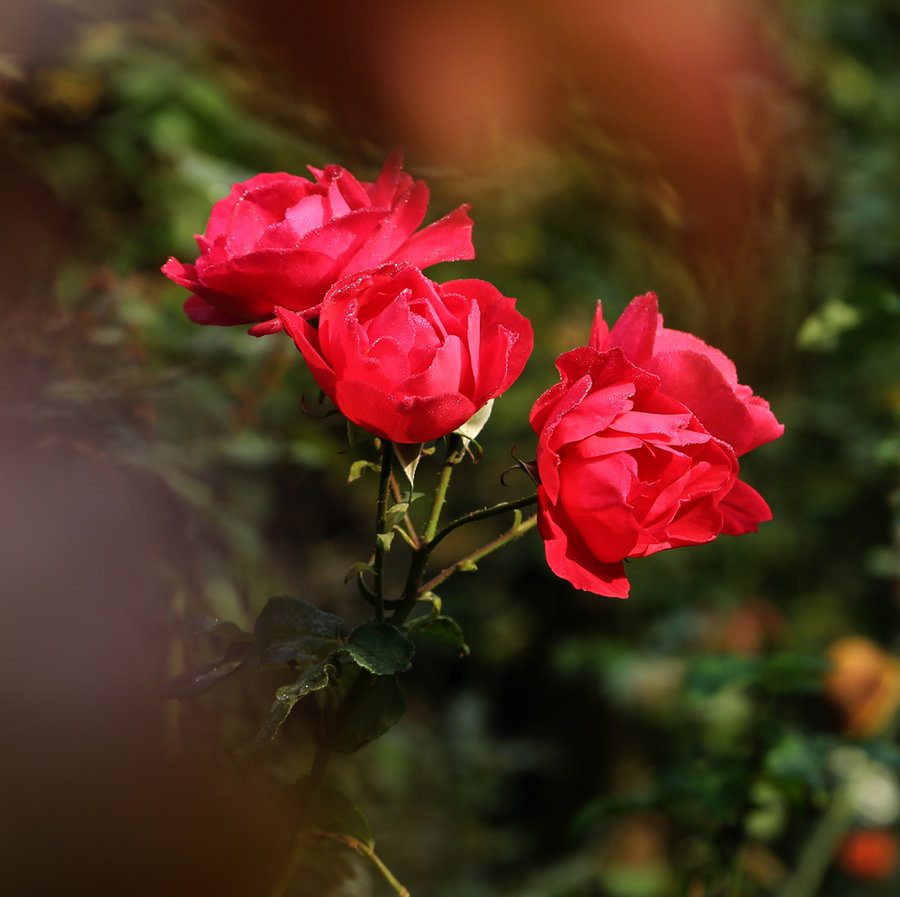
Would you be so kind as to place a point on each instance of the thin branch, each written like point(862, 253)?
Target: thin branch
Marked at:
point(364, 850)
point(510, 535)
point(384, 483)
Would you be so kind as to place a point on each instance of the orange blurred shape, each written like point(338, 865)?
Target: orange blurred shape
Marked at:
point(750, 628)
point(460, 77)
point(869, 854)
point(864, 683)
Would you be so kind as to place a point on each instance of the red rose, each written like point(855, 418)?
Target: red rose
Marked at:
point(408, 359)
point(638, 448)
point(282, 240)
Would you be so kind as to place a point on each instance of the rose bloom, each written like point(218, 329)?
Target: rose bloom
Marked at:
point(638, 449)
point(408, 359)
point(282, 240)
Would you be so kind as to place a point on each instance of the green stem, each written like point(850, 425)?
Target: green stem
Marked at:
point(365, 850)
point(513, 533)
point(384, 488)
point(818, 851)
point(454, 456)
point(413, 587)
point(481, 514)
point(412, 537)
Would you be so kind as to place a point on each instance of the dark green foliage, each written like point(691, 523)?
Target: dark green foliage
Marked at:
point(378, 706)
point(290, 630)
point(380, 648)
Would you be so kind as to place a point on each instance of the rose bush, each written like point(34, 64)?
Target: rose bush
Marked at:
point(283, 240)
point(408, 359)
point(638, 449)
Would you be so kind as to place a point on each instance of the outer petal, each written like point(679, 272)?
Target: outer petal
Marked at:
point(743, 510)
point(278, 239)
point(594, 494)
point(183, 275)
point(221, 215)
point(307, 341)
point(211, 306)
point(698, 382)
point(635, 331)
point(384, 191)
point(600, 330)
point(264, 328)
point(407, 420)
point(571, 560)
point(393, 230)
point(446, 240)
point(201, 312)
point(504, 340)
point(257, 282)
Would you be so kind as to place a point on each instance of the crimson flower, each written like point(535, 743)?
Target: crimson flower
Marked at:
point(283, 240)
point(408, 359)
point(638, 449)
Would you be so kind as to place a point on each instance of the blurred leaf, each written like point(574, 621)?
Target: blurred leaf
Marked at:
point(312, 677)
point(214, 627)
point(195, 682)
point(884, 752)
point(357, 568)
point(290, 629)
point(335, 812)
point(822, 330)
point(441, 630)
point(778, 674)
point(796, 764)
point(708, 674)
point(380, 648)
point(378, 708)
point(792, 673)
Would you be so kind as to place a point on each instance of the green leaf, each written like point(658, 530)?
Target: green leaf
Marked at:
point(215, 627)
point(384, 540)
point(396, 511)
point(709, 674)
point(409, 456)
point(378, 708)
point(357, 568)
point(797, 764)
point(779, 674)
point(312, 677)
point(358, 468)
point(290, 629)
point(335, 812)
point(195, 682)
point(793, 673)
point(380, 648)
point(441, 630)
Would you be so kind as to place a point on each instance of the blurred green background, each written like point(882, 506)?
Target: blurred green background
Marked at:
point(738, 157)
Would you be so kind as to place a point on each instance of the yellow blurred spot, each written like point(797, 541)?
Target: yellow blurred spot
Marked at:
point(864, 683)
